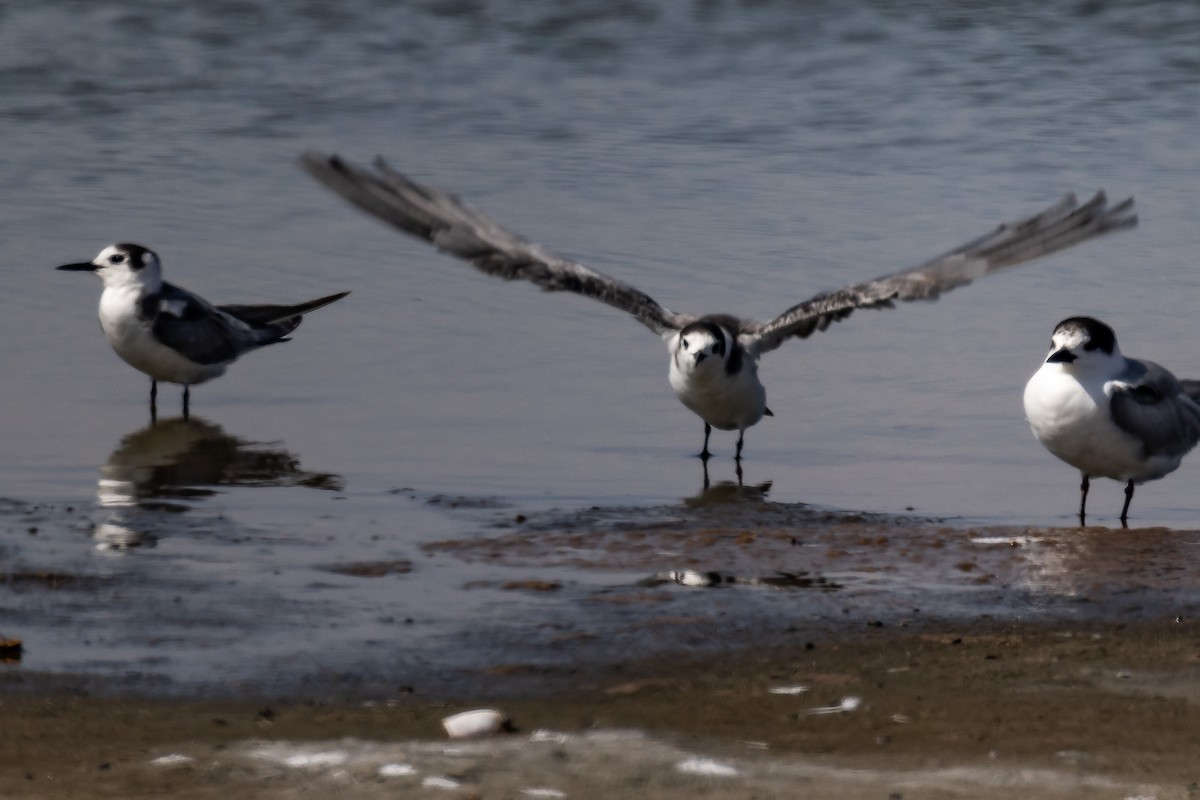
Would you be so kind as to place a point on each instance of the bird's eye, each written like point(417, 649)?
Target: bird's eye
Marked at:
point(684, 342)
point(116, 258)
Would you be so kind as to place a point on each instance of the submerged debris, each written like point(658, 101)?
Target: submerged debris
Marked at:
point(10, 650)
point(373, 569)
point(690, 577)
point(782, 580)
point(531, 585)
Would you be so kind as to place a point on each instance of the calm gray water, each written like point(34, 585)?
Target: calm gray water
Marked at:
point(721, 156)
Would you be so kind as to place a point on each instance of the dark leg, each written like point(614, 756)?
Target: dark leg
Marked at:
point(704, 454)
point(1125, 508)
point(738, 456)
point(707, 482)
point(1083, 490)
point(187, 396)
point(153, 401)
point(739, 472)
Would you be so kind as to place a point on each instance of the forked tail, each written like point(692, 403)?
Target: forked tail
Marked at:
point(264, 315)
point(1192, 389)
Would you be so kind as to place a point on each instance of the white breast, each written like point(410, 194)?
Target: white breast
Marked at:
point(1074, 422)
point(133, 341)
point(727, 402)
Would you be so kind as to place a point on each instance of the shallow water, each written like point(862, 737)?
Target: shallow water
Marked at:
point(720, 156)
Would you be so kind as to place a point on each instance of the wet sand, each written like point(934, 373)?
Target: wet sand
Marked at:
point(966, 710)
point(1033, 663)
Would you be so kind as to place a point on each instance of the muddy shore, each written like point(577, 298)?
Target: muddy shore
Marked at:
point(962, 710)
point(767, 649)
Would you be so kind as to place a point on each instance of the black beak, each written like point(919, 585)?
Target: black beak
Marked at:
point(700, 357)
point(82, 267)
point(1061, 356)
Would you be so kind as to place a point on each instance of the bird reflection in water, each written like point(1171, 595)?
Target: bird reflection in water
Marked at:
point(728, 491)
point(163, 466)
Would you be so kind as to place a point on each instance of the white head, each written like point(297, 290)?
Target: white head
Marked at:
point(1081, 343)
point(124, 265)
point(703, 345)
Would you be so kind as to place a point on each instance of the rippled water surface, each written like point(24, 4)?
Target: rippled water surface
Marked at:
point(720, 156)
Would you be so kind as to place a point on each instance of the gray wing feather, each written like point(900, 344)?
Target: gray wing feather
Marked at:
point(442, 219)
point(1151, 404)
point(1060, 226)
point(189, 324)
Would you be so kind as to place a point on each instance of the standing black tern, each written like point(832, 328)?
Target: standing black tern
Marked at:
point(1107, 415)
point(714, 358)
point(173, 335)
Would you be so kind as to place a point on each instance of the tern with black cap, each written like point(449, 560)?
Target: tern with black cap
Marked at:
point(173, 335)
point(714, 358)
point(1107, 415)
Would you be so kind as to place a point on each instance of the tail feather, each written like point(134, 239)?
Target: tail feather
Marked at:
point(264, 315)
point(1192, 389)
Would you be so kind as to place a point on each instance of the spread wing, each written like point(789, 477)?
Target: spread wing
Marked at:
point(1058, 227)
point(1152, 405)
point(454, 227)
point(189, 324)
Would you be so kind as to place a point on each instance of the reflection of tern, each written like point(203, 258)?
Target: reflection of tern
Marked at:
point(728, 491)
point(180, 457)
point(1107, 415)
point(714, 358)
point(173, 335)
point(155, 468)
point(115, 537)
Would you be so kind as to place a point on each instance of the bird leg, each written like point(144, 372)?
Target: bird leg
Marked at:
point(187, 396)
point(153, 398)
point(738, 456)
point(1083, 490)
point(704, 454)
point(1125, 508)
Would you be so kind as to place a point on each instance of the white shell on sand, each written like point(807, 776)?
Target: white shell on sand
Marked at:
point(480, 722)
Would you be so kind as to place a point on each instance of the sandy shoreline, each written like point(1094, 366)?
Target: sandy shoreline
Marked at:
point(1100, 709)
point(969, 662)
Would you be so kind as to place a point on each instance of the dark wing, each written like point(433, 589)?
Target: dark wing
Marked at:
point(278, 315)
point(197, 330)
point(452, 226)
point(1152, 405)
point(1058, 227)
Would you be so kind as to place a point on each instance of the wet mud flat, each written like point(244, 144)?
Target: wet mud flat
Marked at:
point(724, 647)
point(971, 710)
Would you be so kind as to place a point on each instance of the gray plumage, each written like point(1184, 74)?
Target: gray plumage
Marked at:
point(1107, 415)
point(209, 334)
point(172, 334)
point(1151, 404)
point(454, 227)
point(714, 358)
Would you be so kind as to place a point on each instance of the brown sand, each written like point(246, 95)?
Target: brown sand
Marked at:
point(1120, 701)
